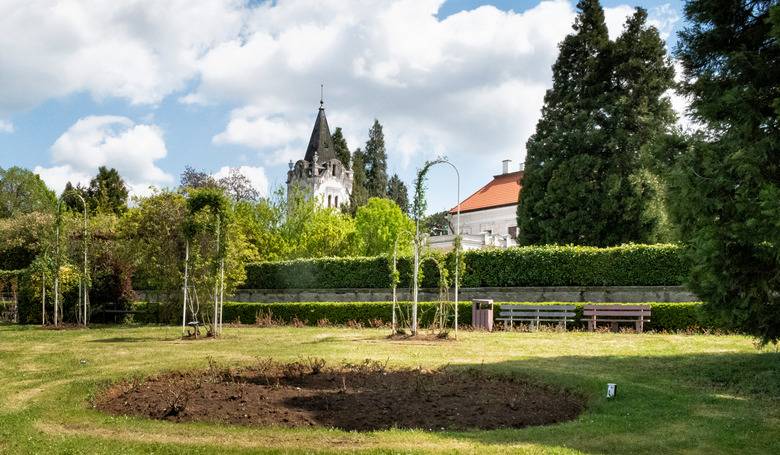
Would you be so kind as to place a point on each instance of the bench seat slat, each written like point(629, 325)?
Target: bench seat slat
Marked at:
point(617, 307)
point(541, 315)
point(616, 313)
point(534, 320)
point(538, 308)
point(619, 320)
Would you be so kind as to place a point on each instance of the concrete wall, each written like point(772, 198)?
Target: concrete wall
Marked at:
point(506, 294)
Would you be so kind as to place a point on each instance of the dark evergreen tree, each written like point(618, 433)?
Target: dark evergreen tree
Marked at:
point(70, 197)
point(725, 190)
point(640, 114)
point(584, 182)
point(107, 192)
point(340, 147)
point(397, 191)
point(376, 162)
point(359, 196)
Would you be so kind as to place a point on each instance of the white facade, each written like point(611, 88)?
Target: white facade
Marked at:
point(471, 241)
point(320, 174)
point(495, 221)
point(329, 182)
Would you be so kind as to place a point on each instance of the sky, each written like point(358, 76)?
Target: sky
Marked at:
point(149, 87)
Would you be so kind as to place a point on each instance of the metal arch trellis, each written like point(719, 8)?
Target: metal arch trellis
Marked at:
point(83, 304)
point(418, 210)
point(218, 208)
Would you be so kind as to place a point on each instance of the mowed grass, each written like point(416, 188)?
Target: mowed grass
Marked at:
point(676, 393)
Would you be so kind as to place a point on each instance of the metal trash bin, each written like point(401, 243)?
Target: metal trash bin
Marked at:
point(482, 314)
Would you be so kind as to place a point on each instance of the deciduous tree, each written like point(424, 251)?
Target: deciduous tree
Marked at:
point(22, 191)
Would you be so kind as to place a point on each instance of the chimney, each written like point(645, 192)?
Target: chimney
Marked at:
point(505, 167)
point(522, 166)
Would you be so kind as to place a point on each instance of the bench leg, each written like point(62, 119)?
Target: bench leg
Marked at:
point(639, 326)
point(591, 325)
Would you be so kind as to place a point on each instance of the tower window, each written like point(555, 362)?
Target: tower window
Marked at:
point(333, 170)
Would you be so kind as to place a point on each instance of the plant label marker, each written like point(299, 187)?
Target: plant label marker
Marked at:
point(611, 390)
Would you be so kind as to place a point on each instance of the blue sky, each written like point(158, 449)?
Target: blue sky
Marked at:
point(151, 88)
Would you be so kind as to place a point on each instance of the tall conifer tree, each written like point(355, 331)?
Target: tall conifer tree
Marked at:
point(340, 146)
point(376, 162)
point(583, 180)
point(726, 186)
point(359, 196)
point(397, 191)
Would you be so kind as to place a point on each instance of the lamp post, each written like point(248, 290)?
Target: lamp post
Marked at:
point(457, 245)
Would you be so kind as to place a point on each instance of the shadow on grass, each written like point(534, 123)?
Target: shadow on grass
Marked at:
point(702, 403)
point(140, 339)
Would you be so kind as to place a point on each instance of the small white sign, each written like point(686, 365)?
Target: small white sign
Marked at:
point(611, 390)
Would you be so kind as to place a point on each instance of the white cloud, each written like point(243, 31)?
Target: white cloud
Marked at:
point(111, 141)
point(664, 18)
point(141, 50)
point(256, 176)
point(470, 85)
point(616, 17)
point(6, 126)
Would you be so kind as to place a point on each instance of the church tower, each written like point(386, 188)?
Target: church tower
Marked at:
point(320, 173)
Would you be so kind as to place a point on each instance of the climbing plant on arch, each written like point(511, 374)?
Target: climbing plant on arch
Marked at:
point(419, 206)
point(208, 214)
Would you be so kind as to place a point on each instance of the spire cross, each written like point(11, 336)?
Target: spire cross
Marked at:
point(322, 93)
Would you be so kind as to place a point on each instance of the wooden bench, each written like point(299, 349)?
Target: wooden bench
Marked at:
point(614, 314)
point(534, 314)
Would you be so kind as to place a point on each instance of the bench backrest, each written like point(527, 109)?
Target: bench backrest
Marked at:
point(617, 310)
point(537, 311)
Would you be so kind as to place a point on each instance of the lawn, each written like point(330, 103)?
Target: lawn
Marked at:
point(676, 393)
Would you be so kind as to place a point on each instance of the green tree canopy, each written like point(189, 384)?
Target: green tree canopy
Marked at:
point(375, 162)
point(725, 189)
point(107, 192)
point(340, 147)
point(584, 182)
point(359, 195)
point(22, 191)
point(398, 193)
point(379, 223)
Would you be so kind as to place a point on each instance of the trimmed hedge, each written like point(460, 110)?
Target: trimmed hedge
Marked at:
point(627, 265)
point(665, 316)
point(330, 273)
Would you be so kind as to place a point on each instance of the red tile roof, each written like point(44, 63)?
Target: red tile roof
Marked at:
point(503, 190)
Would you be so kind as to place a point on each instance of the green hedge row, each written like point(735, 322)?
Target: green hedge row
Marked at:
point(665, 316)
point(627, 265)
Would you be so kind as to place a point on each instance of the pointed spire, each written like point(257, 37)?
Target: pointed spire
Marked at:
point(321, 143)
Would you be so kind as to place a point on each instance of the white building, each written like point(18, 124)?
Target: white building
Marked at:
point(488, 218)
point(320, 173)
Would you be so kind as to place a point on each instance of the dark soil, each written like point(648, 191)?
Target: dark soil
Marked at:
point(361, 397)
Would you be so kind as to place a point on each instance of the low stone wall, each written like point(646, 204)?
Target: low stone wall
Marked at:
point(620, 294)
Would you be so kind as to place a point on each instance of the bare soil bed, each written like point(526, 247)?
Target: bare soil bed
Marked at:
point(362, 397)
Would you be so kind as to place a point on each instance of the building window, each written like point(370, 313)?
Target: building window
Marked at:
point(336, 201)
point(333, 170)
point(513, 231)
point(329, 196)
point(486, 228)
